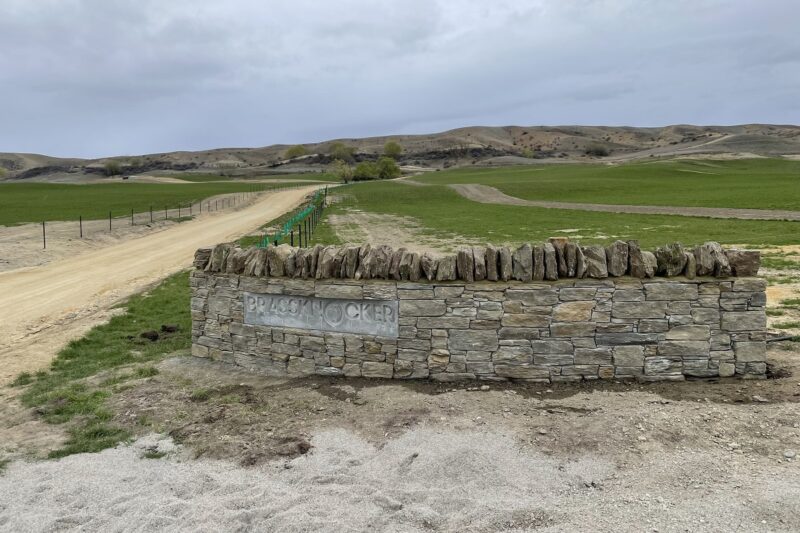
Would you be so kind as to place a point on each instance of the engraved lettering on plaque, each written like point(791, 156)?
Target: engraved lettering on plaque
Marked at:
point(370, 317)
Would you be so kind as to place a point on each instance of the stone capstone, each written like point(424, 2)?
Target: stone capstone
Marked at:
point(617, 258)
point(522, 263)
point(671, 260)
point(595, 257)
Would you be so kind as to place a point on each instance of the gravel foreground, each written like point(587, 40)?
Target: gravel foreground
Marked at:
point(424, 480)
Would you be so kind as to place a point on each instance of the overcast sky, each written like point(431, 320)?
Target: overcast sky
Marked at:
point(113, 77)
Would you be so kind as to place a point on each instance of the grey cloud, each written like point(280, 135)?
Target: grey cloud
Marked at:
point(97, 77)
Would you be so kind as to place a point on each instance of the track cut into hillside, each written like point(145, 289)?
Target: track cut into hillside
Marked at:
point(489, 195)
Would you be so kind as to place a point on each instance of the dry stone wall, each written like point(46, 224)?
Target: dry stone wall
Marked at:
point(549, 312)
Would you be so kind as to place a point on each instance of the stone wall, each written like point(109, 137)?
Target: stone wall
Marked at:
point(550, 330)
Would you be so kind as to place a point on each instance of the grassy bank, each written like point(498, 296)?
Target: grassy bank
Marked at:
point(445, 213)
point(747, 183)
point(196, 177)
point(34, 202)
point(89, 370)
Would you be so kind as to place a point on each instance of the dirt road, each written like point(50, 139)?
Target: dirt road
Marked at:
point(489, 195)
point(42, 308)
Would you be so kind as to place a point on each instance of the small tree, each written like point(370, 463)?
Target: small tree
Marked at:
point(296, 151)
point(342, 151)
point(387, 168)
point(366, 170)
point(112, 168)
point(392, 149)
point(343, 171)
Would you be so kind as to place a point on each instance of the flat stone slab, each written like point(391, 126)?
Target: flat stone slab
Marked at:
point(370, 317)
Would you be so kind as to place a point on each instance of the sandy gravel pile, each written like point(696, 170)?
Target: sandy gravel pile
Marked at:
point(422, 481)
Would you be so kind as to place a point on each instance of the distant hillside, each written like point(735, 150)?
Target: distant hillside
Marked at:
point(479, 145)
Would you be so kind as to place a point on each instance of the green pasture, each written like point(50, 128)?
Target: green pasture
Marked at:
point(446, 214)
point(34, 202)
point(197, 177)
point(745, 183)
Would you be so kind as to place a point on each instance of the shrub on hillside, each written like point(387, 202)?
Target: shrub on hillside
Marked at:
point(597, 151)
point(392, 149)
point(112, 168)
point(387, 168)
point(366, 170)
point(296, 151)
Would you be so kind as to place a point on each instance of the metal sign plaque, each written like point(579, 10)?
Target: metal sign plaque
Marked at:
point(370, 317)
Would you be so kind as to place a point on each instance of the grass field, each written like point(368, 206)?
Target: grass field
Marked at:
point(197, 177)
point(34, 202)
point(445, 213)
point(747, 183)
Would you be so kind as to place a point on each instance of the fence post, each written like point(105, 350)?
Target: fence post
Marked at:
point(291, 238)
point(131, 216)
point(80, 225)
point(44, 237)
point(109, 221)
point(300, 234)
point(151, 214)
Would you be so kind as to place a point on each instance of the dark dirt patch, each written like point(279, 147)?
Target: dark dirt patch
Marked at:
point(252, 419)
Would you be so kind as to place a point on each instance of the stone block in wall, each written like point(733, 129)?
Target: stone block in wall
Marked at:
point(689, 333)
point(656, 309)
point(464, 339)
point(555, 346)
point(706, 316)
point(684, 348)
point(585, 371)
point(573, 329)
point(543, 296)
point(554, 359)
point(628, 356)
point(355, 292)
point(422, 307)
point(513, 355)
point(617, 339)
point(594, 356)
point(570, 294)
point(750, 352)
point(522, 371)
point(580, 311)
point(372, 369)
point(518, 333)
point(300, 366)
point(660, 365)
point(670, 291)
point(743, 321)
point(525, 320)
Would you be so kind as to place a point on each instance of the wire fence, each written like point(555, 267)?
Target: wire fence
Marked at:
point(302, 224)
point(180, 212)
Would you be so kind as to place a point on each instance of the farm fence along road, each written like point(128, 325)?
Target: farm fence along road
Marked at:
point(43, 308)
